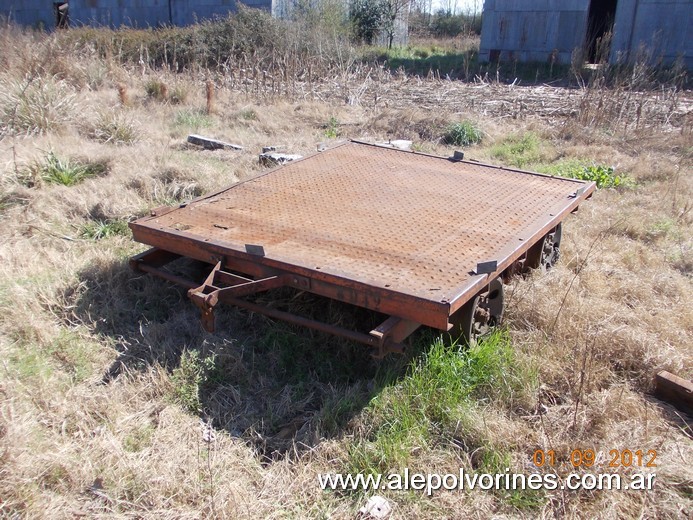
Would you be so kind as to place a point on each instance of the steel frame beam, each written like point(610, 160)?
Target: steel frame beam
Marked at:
point(224, 287)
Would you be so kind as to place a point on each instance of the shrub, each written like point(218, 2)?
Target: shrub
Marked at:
point(367, 17)
point(192, 373)
point(464, 133)
point(67, 172)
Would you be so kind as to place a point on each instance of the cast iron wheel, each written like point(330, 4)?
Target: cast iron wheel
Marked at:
point(481, 314)
point(545, 253)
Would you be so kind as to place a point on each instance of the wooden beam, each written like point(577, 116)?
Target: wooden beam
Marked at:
point(212, 144)
point(675, 390)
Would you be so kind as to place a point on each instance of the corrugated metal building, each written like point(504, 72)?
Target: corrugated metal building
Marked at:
point(36, 13)
point(114, 13)
point(48, 14)
point(546, 30)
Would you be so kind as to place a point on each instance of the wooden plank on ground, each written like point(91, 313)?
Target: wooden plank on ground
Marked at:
point(212, 144)
point(675, 390)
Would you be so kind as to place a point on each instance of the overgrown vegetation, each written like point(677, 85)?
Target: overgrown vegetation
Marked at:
point(603, 176)
point(439, 399)
point(100, 229)
point(115, 128)
point(464, 133)
point(61, 170)
point(34, 105)
point(107, 374)
point(519, 150)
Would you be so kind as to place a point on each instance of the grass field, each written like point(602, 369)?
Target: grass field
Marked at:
point(115, 403)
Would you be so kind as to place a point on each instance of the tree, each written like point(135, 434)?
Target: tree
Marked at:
point(393, 11)
point(367, 17)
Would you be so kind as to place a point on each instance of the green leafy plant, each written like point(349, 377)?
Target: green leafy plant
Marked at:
point(464, 133)
point(67, 172)
point(332, 128)
point(603, 176)
point(99, 229)
point(192, 373)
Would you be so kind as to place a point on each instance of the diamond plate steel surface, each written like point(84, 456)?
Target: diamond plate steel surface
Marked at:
point(393, 220)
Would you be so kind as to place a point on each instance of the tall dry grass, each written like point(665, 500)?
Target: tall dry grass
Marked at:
point(116, 404)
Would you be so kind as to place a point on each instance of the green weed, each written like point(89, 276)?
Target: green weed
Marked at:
point(436, 397)
point(64, 171)
point(192, 119)
point(519, 150)
point(332, 128)
point(99, 229)
point(603, 176)
point(190, 375)
point(464, 133)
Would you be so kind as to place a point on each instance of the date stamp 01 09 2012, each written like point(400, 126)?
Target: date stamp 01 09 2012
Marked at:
point(587, 458)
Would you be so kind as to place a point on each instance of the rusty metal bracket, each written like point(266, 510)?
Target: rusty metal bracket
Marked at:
point(209, 294)
point(390, 334)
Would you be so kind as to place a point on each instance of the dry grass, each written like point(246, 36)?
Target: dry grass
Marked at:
point(103, 398)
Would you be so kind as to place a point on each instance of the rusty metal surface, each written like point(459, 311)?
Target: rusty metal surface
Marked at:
point(398, 223)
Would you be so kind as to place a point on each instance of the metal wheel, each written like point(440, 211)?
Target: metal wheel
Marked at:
point(545, 253)
point(480, 314)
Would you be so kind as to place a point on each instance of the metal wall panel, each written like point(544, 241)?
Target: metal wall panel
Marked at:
point(654, 30)
point(35, 13)
point(533, 30)
point(152, 13)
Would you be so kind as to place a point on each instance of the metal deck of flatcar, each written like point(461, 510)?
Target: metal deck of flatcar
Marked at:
point(408, 234)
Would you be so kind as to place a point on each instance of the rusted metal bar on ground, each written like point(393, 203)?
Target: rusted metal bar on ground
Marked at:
point(675, 390)
point(351, 335)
